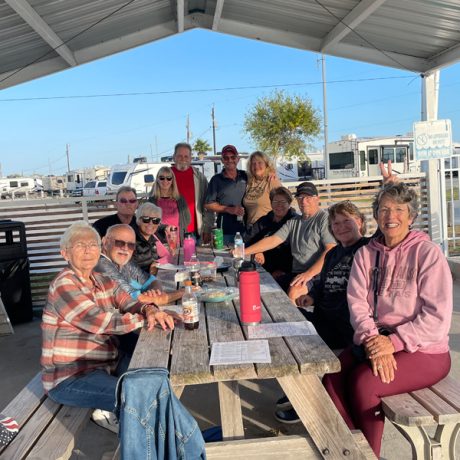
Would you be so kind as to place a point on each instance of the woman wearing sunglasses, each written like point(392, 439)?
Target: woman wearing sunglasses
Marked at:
point(151, 241)
point(165, 194)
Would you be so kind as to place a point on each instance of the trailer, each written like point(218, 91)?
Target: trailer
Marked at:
point(360, 157)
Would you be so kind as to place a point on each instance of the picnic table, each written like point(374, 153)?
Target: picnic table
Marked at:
point(297, 363)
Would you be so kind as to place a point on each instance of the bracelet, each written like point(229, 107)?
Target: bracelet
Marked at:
point(144, 307)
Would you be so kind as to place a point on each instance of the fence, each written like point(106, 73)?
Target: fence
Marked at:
point(46, 220)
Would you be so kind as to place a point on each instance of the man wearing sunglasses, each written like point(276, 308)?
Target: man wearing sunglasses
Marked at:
point(126, 205)
point(115, 262)
point(192, 185)
point(225, 194)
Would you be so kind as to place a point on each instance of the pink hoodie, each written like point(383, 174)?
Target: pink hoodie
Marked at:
point(415, 294)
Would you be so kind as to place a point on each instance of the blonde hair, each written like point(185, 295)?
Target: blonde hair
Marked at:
point(270, 168)
point(156, 191)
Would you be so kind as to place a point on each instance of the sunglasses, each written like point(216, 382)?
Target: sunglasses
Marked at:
point(121, 244)
point(125, 201)
point(154, 220)
point(169, 179)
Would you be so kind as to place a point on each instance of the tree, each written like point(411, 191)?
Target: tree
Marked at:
point(283, 125)
point(201, 146)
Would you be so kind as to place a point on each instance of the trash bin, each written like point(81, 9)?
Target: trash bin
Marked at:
point(14, 271)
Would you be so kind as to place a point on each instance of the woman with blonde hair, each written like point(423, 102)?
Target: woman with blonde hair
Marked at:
point(165, 195)
point(261, 181)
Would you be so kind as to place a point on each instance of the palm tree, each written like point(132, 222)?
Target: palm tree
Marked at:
point(201, 147)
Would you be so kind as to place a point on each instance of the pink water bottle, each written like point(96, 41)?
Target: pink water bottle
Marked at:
point(249, 283)
point(189, 247)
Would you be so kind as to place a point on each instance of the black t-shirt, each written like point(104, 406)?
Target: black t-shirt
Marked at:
point(103, 224)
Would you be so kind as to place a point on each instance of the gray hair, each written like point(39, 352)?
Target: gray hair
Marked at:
point(182, 145)
point(113, 228)
point(77, 229)
point(149, 208)
point(400, 193)
point(126, 189)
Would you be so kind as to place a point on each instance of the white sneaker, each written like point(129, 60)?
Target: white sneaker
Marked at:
point(105, 419)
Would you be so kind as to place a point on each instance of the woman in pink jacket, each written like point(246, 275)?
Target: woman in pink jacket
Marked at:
point(400, 300)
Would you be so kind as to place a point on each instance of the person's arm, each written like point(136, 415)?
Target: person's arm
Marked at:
point(207, 216)
point(264, 245)
point(305, 277)
point(220, 208)
point(79, 309)
point(110, 270)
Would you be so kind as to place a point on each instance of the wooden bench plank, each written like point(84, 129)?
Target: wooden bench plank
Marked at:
point(442, 411)
point(449, 390)
point(58, 441)
point(405, 410)
point(230, 410)
point(154, 351)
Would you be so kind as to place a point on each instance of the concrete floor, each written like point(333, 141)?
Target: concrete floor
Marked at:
point(19, 362)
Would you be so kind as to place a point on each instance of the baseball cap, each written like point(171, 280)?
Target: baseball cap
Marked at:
point(306, 188)
point(230, 148)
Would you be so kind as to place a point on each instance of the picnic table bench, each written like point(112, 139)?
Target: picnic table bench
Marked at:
point(47, 430)
point(411, 413)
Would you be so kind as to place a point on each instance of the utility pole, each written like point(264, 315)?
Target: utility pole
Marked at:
point(188, 129)
point(325, 122)
point(213, 130)
point(68, 157)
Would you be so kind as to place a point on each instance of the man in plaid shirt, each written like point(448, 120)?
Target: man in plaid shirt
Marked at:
point(84, 321)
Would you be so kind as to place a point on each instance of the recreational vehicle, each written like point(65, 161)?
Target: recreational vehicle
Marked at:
point(77, 178)
point(360, 157)
point(18, 186)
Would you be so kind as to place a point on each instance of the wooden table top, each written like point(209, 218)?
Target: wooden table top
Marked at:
point(186, 353)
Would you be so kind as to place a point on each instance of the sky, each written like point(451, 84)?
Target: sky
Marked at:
point(364, 99)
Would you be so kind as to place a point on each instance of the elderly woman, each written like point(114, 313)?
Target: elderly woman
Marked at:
point(83, 323)
point(165, 195)
point(277, 261)
point(400, 300)
point(151, 241)
point(261, 181)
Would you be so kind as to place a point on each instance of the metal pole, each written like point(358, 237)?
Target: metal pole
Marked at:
point(68, 156)
point(188, 129)
point(325, 121)
point(213, 130)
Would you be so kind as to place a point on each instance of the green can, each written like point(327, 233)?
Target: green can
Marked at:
point(218, 238)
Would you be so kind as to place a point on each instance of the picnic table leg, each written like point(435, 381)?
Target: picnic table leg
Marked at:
point(320, 417)
point(230, 410)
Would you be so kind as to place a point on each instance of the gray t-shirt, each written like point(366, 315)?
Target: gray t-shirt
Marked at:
point(307, 237)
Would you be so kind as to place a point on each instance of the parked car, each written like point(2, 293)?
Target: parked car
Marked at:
point(95, 187)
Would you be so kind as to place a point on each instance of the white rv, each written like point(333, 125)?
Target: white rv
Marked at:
point(360, 157)
point(18, 186)
point(77, 178)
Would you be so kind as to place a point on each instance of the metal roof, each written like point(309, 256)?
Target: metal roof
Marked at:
point(40, 37)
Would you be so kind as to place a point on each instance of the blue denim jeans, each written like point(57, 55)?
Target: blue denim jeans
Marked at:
point(95, 389)
point(154, 424)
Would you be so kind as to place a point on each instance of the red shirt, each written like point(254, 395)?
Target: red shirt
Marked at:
point(186, 187)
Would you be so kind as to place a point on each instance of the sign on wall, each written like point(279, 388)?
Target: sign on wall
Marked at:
point(432, 139)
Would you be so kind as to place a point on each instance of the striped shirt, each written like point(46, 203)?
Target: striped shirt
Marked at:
point(78, 325)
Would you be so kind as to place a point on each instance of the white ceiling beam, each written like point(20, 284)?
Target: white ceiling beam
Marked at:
point(302, 41)
point(180, 15)
point(31, 17)
point(217, 14)
point(357, 15)
point(444, 59)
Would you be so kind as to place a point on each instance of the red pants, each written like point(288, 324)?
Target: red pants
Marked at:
point(356, 392)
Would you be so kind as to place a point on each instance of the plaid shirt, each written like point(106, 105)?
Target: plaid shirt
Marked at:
point(78, 323)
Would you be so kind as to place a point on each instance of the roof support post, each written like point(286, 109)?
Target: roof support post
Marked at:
point(434, 169)
point(180, 15)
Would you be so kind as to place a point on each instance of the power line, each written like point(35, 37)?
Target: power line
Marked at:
point(199, 90)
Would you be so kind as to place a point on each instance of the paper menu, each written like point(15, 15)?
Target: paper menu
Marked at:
point(240, 352)
point(288, 329)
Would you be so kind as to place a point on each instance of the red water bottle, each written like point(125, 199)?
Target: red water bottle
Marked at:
point(249, 283)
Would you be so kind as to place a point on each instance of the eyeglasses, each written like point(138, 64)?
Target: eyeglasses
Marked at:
point(85, 246)
point(125, 201)
point(120, 244)
point(154, 220)
point(168, 178)
point(305, 197)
